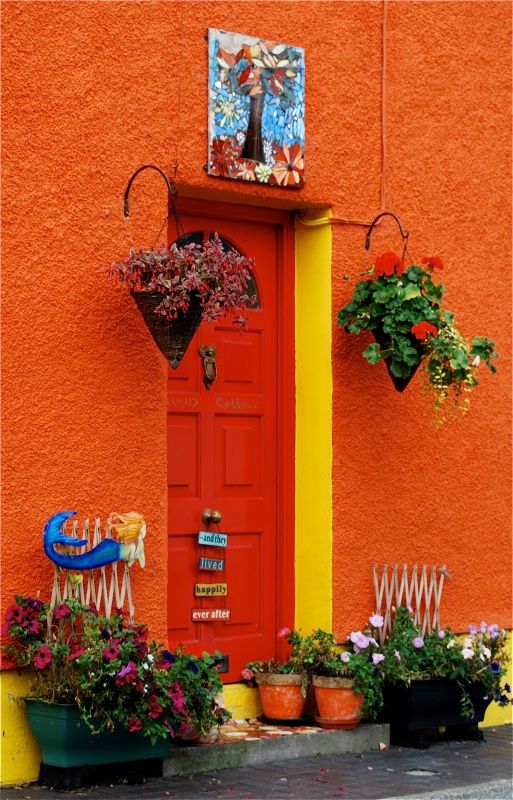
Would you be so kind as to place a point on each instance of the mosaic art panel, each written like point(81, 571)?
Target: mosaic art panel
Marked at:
point(256, 128)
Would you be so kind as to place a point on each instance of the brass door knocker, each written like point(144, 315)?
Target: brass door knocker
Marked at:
point(208, 354)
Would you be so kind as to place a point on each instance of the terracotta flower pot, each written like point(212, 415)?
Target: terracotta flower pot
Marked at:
point(338, 704)
point(281, 696)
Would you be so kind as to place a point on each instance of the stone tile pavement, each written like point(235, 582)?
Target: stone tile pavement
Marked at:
point(449, 770)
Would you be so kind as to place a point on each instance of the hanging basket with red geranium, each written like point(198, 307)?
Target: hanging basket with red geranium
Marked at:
point(402, 306)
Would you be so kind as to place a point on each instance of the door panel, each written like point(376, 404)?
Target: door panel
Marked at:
point(222, 454)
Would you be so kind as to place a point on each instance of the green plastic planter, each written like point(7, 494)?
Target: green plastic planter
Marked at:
point(66, 741)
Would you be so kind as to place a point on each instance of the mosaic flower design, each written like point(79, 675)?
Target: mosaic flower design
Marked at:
point(289, 165)
point(222, 157)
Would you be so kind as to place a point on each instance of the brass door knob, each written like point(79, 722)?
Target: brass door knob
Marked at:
point(211, 517)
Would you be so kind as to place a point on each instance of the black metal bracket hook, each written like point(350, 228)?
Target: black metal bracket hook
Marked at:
point(171, 189)
point(404, 233)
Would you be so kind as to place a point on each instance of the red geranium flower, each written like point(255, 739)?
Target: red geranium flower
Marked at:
point(434, 262)
point(387, 264)
point(134, 724)
point(423, 329)
point(43, 657)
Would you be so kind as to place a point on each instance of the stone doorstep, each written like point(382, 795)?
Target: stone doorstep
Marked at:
point(244, 744)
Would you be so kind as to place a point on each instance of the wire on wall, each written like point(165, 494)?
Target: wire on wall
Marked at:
point(382, 187)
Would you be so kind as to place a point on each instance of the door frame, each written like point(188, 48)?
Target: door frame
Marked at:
point(285, 382)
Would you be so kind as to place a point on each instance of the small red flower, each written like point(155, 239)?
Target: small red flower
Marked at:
point(34, 626)
point(423, 329)
point(387, 264)
point(134, 724)
point(284, 633)
point(76, 653)
point(43, 657)
point(155, 709)
point(434, 262)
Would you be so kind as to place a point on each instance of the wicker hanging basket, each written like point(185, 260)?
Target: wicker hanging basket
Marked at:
point(172, 336)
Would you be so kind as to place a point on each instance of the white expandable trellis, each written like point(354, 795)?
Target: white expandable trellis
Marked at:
point(107, 587)
point(422, 593)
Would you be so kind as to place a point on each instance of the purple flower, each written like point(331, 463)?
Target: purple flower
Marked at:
point(507, 688)
point(441, 634)
point(360, 640)
point(397, 655)
point(345, 657)
point(377, 657)
point(472, 629)
point(376, 621)
point(483, 627)
point(495, 667)
point(493, 631)
point(418, 642)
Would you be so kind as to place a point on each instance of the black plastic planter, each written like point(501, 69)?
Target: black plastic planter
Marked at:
point(383, 339)
point(427, 710)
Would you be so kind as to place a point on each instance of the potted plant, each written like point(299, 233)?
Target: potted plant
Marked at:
point(402, 306)
point(103, 693)
point(282, 686)
point(439, 680)
point(346, 679)
point(176, 288)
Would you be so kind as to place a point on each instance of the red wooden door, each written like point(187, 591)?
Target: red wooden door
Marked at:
point(222, 455)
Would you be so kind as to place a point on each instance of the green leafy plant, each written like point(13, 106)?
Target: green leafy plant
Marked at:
point(480, 657)
point(219, 277)
point(403, 307)
point(109, 669)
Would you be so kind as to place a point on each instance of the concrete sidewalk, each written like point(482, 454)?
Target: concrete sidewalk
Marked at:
point(445, 771)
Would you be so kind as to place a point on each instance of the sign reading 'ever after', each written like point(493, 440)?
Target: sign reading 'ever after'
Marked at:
point(213, 538)
point(210, 614)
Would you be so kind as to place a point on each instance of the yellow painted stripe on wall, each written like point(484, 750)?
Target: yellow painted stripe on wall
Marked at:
point(313, 567)
point(21, 755)
point(495, 715)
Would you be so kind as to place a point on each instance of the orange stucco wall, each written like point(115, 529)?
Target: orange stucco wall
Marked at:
point(93, 90)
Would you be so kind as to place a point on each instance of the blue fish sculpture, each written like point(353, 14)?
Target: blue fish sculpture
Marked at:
point(127, 546)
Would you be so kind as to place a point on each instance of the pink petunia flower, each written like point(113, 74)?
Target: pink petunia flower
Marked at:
point(111, 652)
point(418, 642)
point(284, 633)
point(376, 621)
point(14, 614)
point(61, 611)
point(377, 658)
point(43, 657)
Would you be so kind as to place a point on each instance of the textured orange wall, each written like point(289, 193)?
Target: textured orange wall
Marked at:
point(403, 491)
point(93, 90)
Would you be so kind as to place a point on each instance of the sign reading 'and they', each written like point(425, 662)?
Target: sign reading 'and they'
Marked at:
point(213, 538)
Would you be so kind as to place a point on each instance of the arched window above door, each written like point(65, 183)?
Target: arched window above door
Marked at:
point(198, 237)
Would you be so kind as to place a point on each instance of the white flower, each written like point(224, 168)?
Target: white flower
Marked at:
point(468, 643)
point(486, 651)
point(451, 644)
point(345, 657)
point(150, 657)
point(467, 652)
point(145, 666)
point(476, 361)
